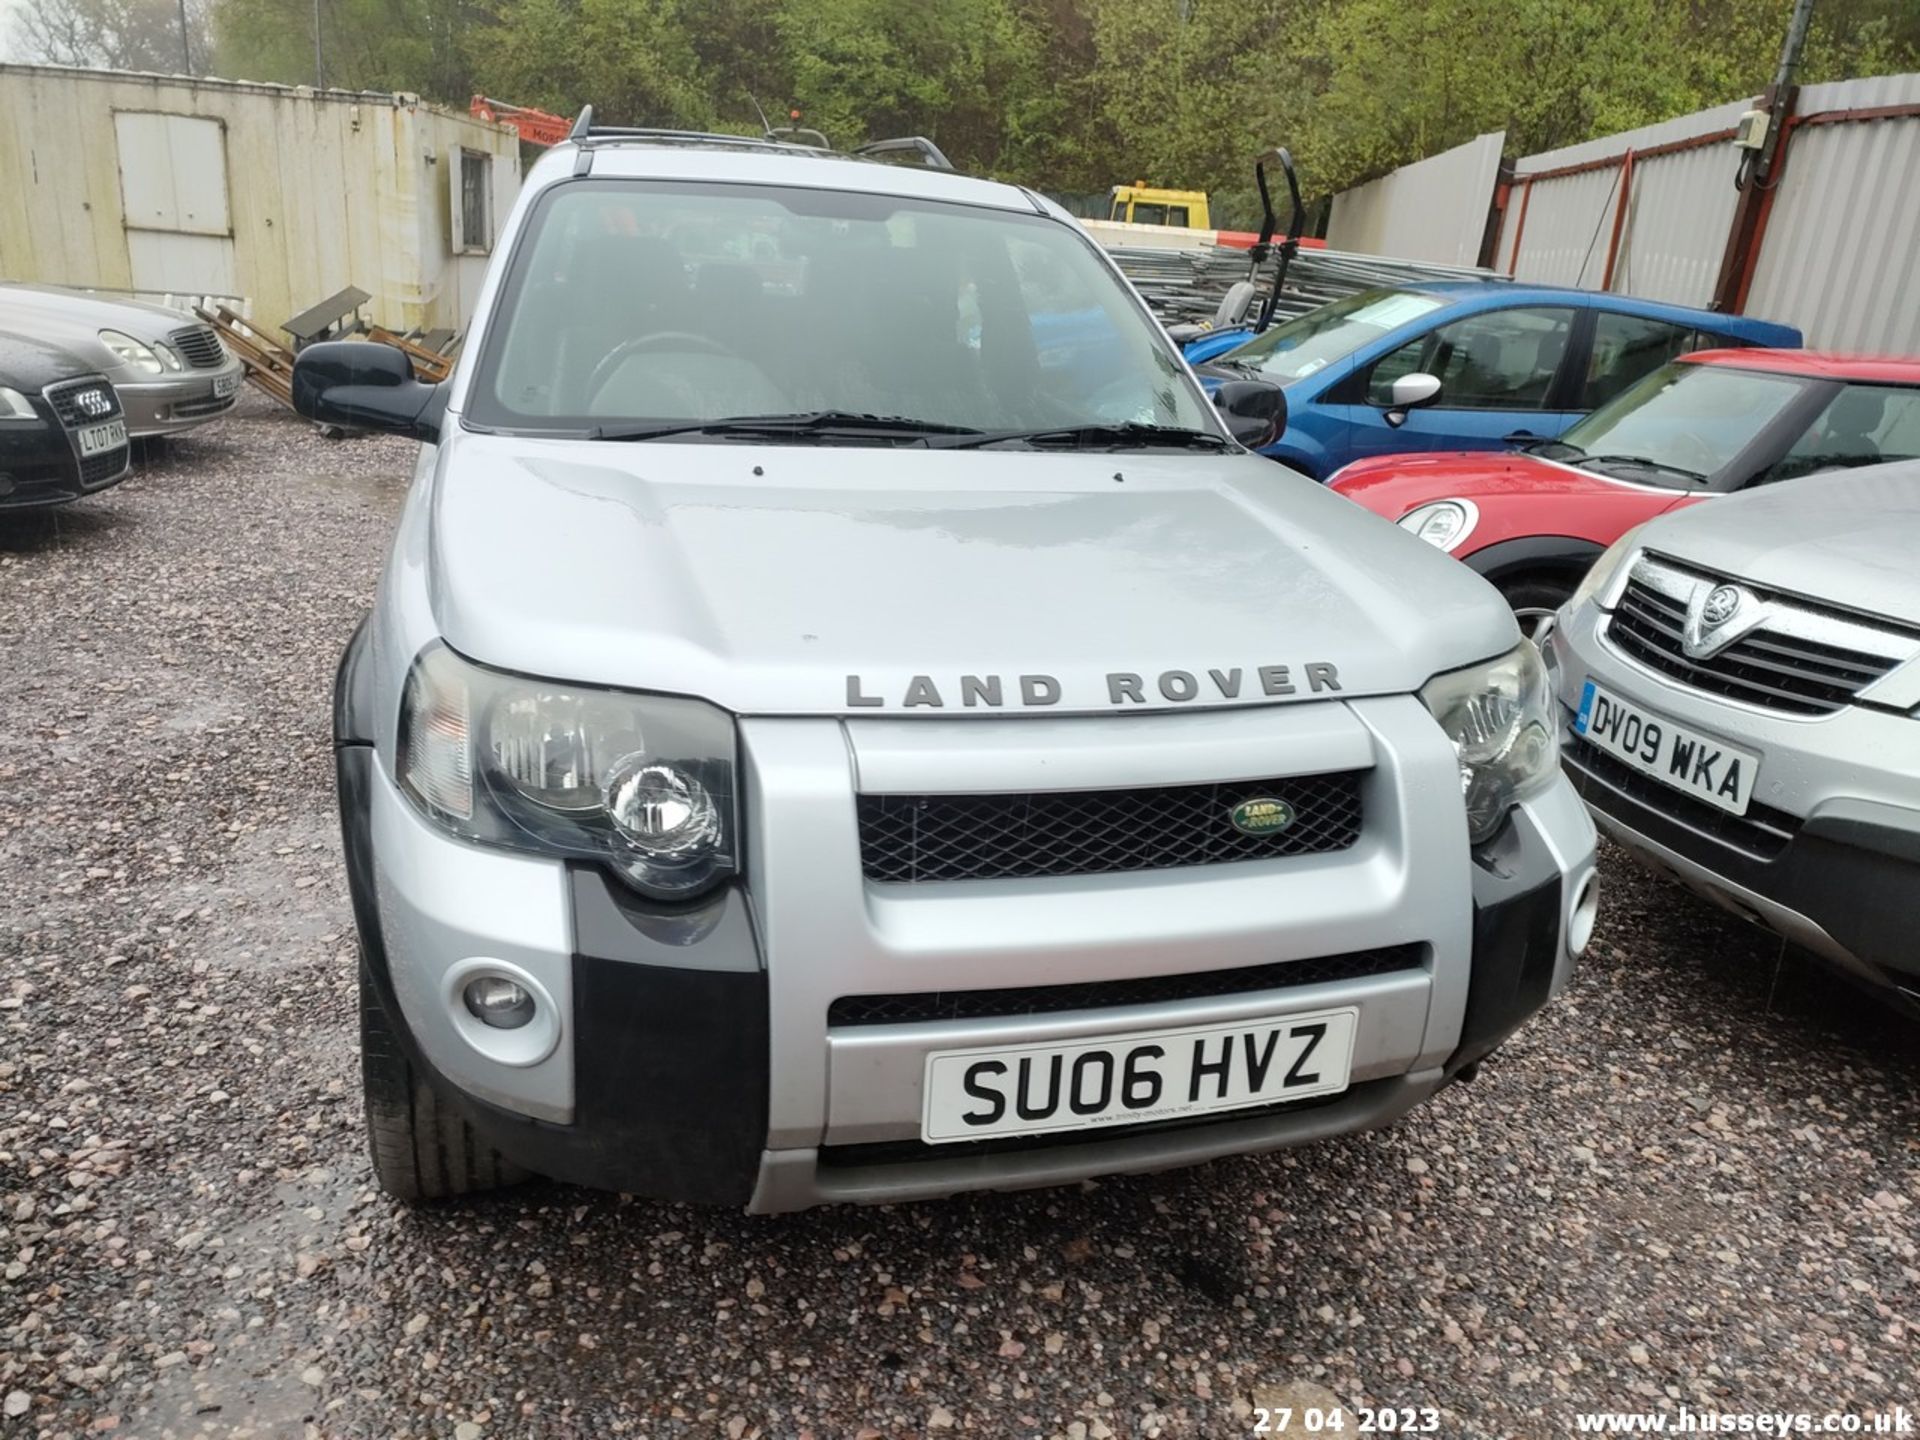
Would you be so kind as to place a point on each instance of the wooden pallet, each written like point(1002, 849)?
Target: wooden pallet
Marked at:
point(429, 365)
point(269, 364)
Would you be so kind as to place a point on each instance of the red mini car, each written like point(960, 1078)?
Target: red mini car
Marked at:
point(1533, 520)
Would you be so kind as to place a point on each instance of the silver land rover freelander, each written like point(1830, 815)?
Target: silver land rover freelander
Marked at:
point(846, 719)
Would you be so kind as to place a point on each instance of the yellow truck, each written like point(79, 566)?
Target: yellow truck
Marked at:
point(1146, 205)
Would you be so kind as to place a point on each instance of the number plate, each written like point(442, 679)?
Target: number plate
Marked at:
point(97, 438)
point(1128, 1079)
point(1703, 767)
point(225, 385)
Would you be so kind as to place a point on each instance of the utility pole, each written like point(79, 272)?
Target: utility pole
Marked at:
point(1781, 95)
point(186, 49)
point(319, 56)
point(1758, 172)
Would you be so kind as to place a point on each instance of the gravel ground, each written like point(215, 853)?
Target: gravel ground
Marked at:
point(1692, 1181)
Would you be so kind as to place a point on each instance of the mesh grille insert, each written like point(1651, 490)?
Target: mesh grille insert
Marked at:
point(919, 838)
point(80, 403)
point(97, 469)
point(1107, 994)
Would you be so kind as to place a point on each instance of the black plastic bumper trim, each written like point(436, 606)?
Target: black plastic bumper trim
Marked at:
point(670, 1062)
point(1853, 869)
point(1517, 909)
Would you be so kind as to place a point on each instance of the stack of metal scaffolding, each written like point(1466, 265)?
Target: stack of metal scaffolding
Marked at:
point(1183, 286)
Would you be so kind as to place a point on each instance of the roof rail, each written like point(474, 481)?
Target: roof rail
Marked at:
point(585, 132)
point(930, 155)
point(799, 135)
point(787, 138)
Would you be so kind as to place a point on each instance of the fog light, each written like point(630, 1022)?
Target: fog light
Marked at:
point(1580, 919)
point(495, 1000)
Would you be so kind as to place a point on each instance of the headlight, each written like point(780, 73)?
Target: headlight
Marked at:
point(641, 783)
point(1444, 523)
point(1599, 580)
point(1499, 716)
point(15, 406)
point(142, 357)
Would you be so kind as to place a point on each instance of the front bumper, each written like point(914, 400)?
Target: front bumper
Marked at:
point(38, 466)
point(700, 1060)
point(1829, 854)
point(181, 401)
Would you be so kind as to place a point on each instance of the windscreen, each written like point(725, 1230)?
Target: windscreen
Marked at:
point(637, 302)
point(1316, 339)
point(1691, 419)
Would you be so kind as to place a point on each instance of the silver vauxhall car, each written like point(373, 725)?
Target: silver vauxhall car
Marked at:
point(1740, 681)
point(845, 719)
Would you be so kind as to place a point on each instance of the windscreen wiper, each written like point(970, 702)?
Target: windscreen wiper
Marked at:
point(822, 423)
point(1550, 449)
point(1642, 462)
point(1125, 434)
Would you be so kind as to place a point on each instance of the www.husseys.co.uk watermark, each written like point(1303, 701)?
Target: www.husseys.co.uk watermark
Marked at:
point(1897, 1421)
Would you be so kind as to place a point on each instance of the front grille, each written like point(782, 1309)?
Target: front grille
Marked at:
point(1109, 994)
point(1762, 833)
point(98, 469)
point(199, 347)
point(919, 838)
point(80, 403)
point(1766, 667)
point(194, 409)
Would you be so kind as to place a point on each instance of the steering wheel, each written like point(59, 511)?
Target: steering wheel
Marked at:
point(658, 340)
point(1690, 452)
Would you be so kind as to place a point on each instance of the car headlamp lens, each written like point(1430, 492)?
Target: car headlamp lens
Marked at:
point(1444, 523)
point(553, 745)
point(1598, 581)
point(131, 352)
point(14, 405)
point(641, 783)
point(1499, 716)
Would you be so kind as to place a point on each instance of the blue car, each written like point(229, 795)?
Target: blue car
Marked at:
point(1507, 364)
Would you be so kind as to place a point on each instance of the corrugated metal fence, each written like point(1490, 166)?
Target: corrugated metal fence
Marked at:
point(1413, 213)
point(1841, 254)
point(1650, 212)
point(1566, 223)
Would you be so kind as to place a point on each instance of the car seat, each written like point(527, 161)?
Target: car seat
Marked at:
point(1851, 422)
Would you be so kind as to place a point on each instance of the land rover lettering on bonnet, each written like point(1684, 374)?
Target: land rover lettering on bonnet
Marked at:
point(782, 767)
point(1123, 687)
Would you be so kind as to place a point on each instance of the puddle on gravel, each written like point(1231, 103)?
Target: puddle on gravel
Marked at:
point(261, 1374)
point(279, 900)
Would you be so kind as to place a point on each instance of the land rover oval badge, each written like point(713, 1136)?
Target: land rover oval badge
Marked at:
point(1262, 815)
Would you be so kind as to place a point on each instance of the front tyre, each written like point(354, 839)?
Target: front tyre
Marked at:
point(1535, 603)
point(421, 1150)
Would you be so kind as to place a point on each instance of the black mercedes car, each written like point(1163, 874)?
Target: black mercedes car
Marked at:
point(62, 431)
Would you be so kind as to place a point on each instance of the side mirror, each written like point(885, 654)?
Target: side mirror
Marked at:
point(1410, 392)
point(365, 385)
point(1255, 410)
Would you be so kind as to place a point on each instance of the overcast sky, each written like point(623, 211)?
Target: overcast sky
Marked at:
point(8, 9)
